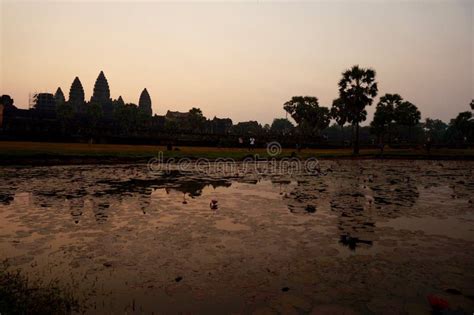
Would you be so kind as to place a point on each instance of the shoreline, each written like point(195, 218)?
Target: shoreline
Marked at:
point(58, 160)
point(47, 153)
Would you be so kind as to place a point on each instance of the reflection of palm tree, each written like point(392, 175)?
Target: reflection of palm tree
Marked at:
point(401, 193)
point(100, 212)
point(352, 242)
point(76, 205)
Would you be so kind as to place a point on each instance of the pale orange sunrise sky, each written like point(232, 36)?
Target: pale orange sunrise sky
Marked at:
point(241, 60)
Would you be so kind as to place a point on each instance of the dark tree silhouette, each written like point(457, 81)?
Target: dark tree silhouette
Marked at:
point(461, 128)
point(281, 126)
point(472, 104)
point(196, 120)
point(310, 117)
point(384, 116)
point(339, 113)
point(65, 115)
point(435, 129)
point(251, 127)
point(94, 114)
point(357, 89)
point(266, 128)
point(407, 114)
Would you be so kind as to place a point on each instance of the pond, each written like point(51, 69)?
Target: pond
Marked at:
point(361, 236)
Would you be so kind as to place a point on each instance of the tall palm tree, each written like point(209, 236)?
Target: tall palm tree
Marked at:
point(357, 89)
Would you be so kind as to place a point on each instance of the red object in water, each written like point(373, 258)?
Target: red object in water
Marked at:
point(213, 204)
point(437, 302)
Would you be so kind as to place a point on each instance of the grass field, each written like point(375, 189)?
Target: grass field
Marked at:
point(11, 151)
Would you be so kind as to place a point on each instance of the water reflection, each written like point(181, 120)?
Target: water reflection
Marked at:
point(6, 198)
point(358, 196)
point(130, 232)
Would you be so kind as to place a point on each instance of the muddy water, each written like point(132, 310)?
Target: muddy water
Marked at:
point(362, 237)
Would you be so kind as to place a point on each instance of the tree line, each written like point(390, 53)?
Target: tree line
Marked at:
point(396, 120)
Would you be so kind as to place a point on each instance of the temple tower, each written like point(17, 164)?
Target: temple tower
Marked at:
point(144, 104)
point(76, 94)
point(101, 93)
point(59, 96)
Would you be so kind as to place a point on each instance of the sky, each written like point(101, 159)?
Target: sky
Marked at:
point(240, 59)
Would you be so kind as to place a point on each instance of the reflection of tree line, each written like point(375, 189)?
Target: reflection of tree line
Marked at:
point(363, 205)
point(358, 203)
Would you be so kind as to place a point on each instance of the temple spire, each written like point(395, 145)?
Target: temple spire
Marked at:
point(120, 101)
point(76, 94)
point(101, 93)
point(144, 104)
point(59, 96)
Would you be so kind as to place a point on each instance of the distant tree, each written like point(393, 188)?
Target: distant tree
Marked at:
point(94, 114)
point(357, 89)
point(125, 116)
point(407, 114)
point(266, 128)
point(339, 113)
point(6, 100)
point(384, 115)
point(472, 104)
point(171, 126)
point(281, 126)
point(306, 112)
point(65, 115)
point(247, 128)
point(219, 125)
point(435, 129)
point(461, 128)
point(196, 120)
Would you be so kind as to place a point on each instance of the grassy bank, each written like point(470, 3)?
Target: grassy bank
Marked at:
point(20, 295)
point(78, 153)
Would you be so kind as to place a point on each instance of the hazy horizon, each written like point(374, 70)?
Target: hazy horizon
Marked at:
point(240, 60)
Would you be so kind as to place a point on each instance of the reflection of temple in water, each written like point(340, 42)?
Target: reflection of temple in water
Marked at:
point(101, 201)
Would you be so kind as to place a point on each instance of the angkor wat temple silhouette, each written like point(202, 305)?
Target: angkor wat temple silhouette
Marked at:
point(51, 114)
